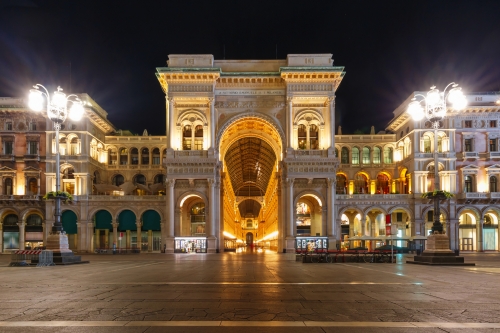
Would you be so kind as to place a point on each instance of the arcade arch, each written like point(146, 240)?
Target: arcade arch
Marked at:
point(250, 147)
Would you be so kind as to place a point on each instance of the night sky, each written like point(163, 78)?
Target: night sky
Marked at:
point(110, 49)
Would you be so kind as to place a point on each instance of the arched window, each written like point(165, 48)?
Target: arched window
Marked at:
point(427, 144)
point(341, 187)
point(360, 183)
point(336, 152)
point(186, 137)
point(32, 186)
point(93, 149)
point(117, 180)
point(73, 146)
point(376, 155)
point(134, 156)
point(34, 220)
point(198, 219)
point(468, 184)
point(366, 155)
point(387, 155)
point(68, 173)
point(302, 136)
point(313, 137)
point(140, 179)
point(10, 224)
point(7, 189)
point(493, 184)
point(62, 145)
point(159, 179)
point(145, 156)
point(440, 144)
point(123, 156)
point(156, 156)
point(344, 157)
point(198, 137)
point(382, 184)
point(355, 155)
point(112, 156)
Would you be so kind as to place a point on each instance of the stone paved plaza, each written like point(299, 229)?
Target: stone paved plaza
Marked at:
point(248, 292)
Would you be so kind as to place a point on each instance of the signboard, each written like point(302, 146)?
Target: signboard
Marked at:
point(387, 230)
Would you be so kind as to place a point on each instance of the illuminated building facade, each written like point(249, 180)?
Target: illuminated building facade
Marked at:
point(250, 156)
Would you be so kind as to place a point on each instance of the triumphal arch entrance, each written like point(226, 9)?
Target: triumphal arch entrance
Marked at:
point(250, 155)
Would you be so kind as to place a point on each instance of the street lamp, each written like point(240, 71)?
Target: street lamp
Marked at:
point(57, 112)
point(433, 107)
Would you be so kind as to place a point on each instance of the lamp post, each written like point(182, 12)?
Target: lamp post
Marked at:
point(57, 112)
point(433, 106)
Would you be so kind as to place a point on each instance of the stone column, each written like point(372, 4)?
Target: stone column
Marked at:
point(453, 234)
point(115, 233)
point(97, 240)
point(281, 214)
point(21, 235)
point(90, 240)
point(210, 228)
point(170, 220)
point(331, 103)
point(150, 240)
point(139, 235)
point(324, 220)
point(331, 214)
point(177, 225)
point(106, 239)
point(290, 216)
point(170, 123)
point(289, 120)
point(479, 235)
point(212, 122)
point(1, 237)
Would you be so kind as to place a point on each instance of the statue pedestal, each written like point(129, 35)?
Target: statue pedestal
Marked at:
point(57, 242)
point(437, 252)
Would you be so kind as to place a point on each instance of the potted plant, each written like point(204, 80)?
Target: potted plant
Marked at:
point(65, 196)
point(439, 194)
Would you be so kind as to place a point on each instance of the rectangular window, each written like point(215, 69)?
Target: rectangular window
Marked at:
point(8, 126)
point(493, 145)
point(186, 144)
point(468, 123)
point(468, 145)
point(198, 144)
point(8, 147)
point(32, 126)
point(156, 160)
point(399, 217)
point(493, 123)
point(32, 148)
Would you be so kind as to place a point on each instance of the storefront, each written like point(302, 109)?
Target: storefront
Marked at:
point(311, 243)
point(190, 245)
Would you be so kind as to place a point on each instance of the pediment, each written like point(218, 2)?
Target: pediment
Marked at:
point(31, 169)
point(470, 169)
point(493, 168)
point(6, 169)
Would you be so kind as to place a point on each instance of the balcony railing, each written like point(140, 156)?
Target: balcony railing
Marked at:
point(373, 196)
point(478, 195)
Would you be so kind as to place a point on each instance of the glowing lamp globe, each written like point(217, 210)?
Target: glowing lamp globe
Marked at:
point(415, 110)
point(35, 101)
point(76, 111)
point(59, 98)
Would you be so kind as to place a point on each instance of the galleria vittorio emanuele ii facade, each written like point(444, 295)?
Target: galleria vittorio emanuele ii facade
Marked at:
point(252, 155)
